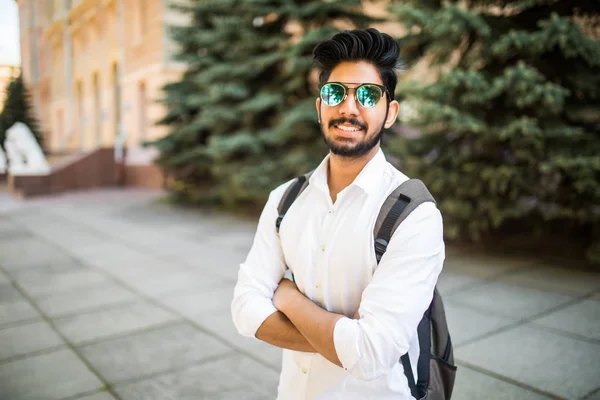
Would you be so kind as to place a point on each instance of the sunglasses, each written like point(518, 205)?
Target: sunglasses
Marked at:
point(367, 94)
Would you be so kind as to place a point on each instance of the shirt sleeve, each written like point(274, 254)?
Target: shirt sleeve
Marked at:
point(393, 303)
point(259, 275)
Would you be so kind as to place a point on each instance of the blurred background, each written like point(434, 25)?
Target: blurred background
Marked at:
point(155, 130)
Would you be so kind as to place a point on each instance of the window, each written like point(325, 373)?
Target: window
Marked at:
point(97, 110)
point(80, 112)
point(143, 117)
point(60, 134)
point(116, 99)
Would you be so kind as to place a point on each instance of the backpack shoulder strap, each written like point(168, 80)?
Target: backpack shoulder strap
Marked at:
point(399, 204)
point(291, 193)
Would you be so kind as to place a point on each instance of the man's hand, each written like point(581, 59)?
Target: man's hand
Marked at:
point(284, 294)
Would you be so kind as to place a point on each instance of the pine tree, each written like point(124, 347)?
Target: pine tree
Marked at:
point(510, 130)
point(18, 108)
point(244, 117)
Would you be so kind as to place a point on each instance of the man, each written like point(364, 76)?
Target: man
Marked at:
point(345, 320)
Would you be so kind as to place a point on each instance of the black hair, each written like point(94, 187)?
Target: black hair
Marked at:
point(370, 45)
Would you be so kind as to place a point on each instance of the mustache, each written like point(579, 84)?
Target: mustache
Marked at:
point(352, 121)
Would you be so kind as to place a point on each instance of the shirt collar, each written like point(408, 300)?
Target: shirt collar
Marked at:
point(368, 179)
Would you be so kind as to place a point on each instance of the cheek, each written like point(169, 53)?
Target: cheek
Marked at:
point(327, 115)
point(376, 119)
point(372, 120)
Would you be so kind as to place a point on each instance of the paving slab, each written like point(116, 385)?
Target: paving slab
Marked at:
point(507, 300)
point(70, 237)
point(166, 216)
point(484, 265)
point(84, 300)
point(544, 360)
point(50, 382)
point(581, 318)
point(10, 230)
point(240, 240)
point(4, 279)
point(119, 320)
point(180, 281)
point(571, 281)
point(466, 324)
point(92, 250)
point(160, 350)
point(450, 282)
point(16, 311)
point(221, 260)
point(471, 384)
point(221, 324)
point(97, 396)
point(8, 293)
point(43, 219)
point(146, 240)
point(234, 377)
point(105, 252)
point(49, 269)
point(54, 260)
point(176, 247)
point(201, 301)
point(141, 265)
point(7, 224)
point(43, 282)
point(30, 252)
point(25, 339)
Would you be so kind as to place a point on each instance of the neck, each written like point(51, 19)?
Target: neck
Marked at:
point(343, 170)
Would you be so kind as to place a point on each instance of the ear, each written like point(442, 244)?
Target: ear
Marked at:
point(393, 109)
point(318, 105)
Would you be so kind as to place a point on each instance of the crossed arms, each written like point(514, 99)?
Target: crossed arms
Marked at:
point(300, 324)
point(275, 311)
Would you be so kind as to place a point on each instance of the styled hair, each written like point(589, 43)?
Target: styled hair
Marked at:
point(370, 45)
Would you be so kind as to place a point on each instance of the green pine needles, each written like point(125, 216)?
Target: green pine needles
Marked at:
point(510, 132)
point(243, 118)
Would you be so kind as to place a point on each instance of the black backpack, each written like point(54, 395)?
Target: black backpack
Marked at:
point(435, 366)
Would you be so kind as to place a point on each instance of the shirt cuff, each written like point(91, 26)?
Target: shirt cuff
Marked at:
point(345, 342)
point(254, 318)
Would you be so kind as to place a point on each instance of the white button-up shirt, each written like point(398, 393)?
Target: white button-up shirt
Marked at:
point(330, 250)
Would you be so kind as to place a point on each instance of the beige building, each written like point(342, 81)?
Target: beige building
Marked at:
point(96, 68)
point(7, 73)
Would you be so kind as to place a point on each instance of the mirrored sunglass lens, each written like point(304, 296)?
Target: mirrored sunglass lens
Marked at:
point(368, 95)
point(332, 94)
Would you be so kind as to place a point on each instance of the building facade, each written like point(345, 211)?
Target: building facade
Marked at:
point(95, 69)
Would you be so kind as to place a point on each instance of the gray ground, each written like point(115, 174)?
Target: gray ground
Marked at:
point(109, 294)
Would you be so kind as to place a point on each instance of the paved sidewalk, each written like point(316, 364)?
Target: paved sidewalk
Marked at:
point(113, 295)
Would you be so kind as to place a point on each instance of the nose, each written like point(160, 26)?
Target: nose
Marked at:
point(349, 106)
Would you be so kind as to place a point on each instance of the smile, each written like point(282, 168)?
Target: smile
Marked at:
point(347, 128)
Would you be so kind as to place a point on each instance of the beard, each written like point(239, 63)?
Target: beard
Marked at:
point(357, 150)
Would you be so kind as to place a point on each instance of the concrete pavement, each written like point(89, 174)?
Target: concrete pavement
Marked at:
point(114, 295)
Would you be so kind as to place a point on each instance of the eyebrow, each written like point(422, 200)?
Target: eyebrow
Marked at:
point(356, 83)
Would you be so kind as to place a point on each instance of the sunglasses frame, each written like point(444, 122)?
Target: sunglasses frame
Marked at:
point(346, 89)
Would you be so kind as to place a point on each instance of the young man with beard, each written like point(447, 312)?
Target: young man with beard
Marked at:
point(345, 319)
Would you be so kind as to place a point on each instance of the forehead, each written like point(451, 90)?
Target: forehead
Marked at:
point(355, 72)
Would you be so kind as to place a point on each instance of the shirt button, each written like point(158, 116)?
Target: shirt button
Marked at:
point(305, 371)
point(323, 248)
point(317, 286)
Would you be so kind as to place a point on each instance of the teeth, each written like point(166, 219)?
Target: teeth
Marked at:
point(347, 129)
